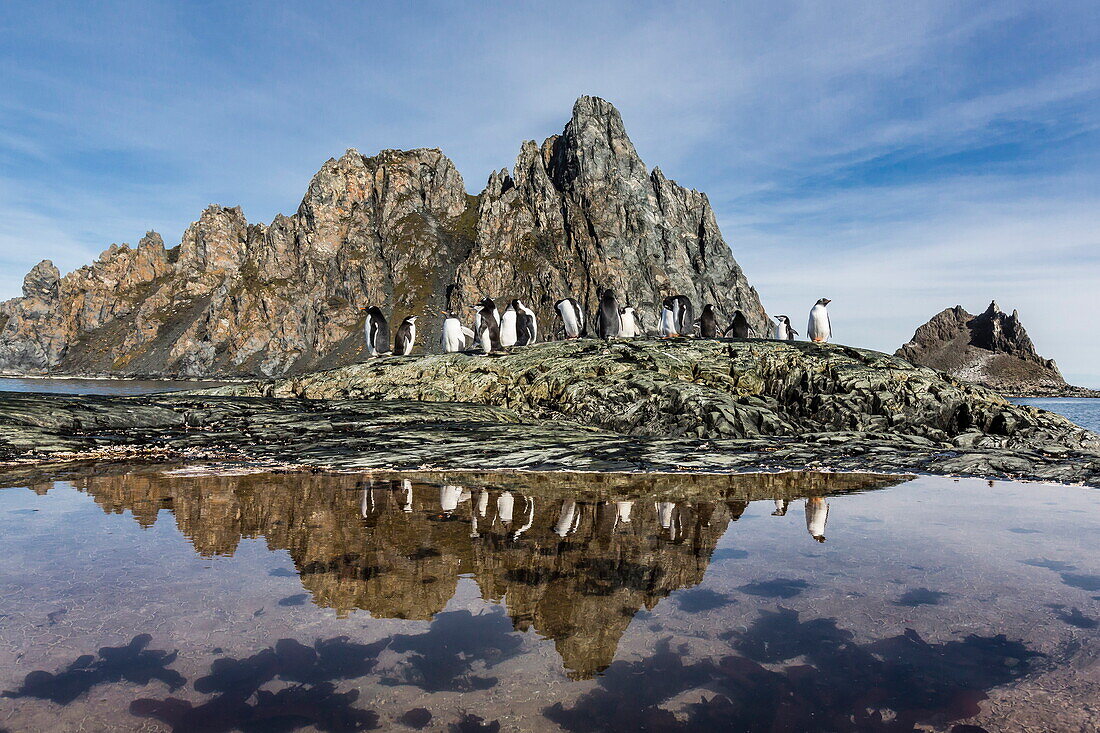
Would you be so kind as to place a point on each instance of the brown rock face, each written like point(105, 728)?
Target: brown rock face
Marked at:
point(991, 349)
point(397, 229)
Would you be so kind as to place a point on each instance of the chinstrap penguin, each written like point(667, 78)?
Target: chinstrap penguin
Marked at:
point(405, 339)
point(630, 323)
point(783, 329)
point(508, 332)
point(527, 324)
point(488, 325)
point(708, 322)
point(739, 327)
point(455, 335)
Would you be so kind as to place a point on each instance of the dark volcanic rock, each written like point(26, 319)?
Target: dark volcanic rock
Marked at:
point(578, 212)
point(705, 406)
point(991, 349)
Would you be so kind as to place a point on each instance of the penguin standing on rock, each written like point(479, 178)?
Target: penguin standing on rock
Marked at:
point(630, 323)
point(572, 317)
point(488, 325)
point(783, 329)
point(406, 337)
point(607, 317)
point(377, 331)
point(708, 322)
point(454, 336)
point(820, 329)
point(677, 317)
point(527, 324)
point(508, 332)
point(739, 326)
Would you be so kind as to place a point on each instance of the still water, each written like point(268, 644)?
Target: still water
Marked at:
point(100, 386)
point(800, 602)
point(1085, 411)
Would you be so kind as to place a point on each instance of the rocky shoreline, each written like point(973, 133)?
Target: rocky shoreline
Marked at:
point(680, 406)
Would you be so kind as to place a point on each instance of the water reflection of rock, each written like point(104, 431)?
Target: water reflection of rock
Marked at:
point(574, 564)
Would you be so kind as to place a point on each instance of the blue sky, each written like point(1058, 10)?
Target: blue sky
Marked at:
point(899, 158)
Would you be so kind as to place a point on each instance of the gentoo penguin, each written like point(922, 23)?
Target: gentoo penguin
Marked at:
point(488, 325)
point(739, 327)
point(783, 329)
point(527, 325)
point(377, 331)
point(820, 329)
point(572, 317)
point(708, 322)
point(508, 335)
point(454, 336)
point(406, 337)
point(817, 513)
point(630, 323)
point(607, 317)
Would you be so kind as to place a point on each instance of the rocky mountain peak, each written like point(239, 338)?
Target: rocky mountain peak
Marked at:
point(991, 348)
point(42, 281)
point(397, 229)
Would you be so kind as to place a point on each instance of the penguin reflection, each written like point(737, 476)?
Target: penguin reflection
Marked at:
point(450, 497)
point(408, 488)
point(781, 508)
point(569, 518)
point(817, 513)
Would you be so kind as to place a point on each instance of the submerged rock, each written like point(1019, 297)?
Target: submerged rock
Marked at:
point(398, 230)
point(991, 349)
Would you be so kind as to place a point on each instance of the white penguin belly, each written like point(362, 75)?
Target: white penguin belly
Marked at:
point(569, 318)
point(508, 336)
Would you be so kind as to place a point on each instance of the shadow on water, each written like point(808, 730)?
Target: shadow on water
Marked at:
point(892, 684)
point(131, 662)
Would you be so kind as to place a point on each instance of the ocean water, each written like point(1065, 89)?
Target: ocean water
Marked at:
point(1085, 411)
point(784, 602)
point(100, 386)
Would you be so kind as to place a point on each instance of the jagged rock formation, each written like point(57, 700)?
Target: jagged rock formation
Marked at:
point(387, 547)
point(991, 349)
point(578, 212)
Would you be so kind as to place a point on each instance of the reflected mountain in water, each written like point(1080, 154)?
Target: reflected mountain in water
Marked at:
point(572, 556)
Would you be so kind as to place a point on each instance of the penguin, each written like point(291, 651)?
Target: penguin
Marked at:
point(630, 323)
point(508, 333)
point(377, 331)
point(572, 317)
point(607, 317)
point(407, 486)
point(406, 337)
point(488, 325)
point(450, 496)
point(684, 314)
point(739, 326)
point(623, 509)
point(783, 329)
point(820, 329)
point(454, 336)
point(708, 322)
point(780, 508)
point(667, 327)
point(677, 317)
point(527, 327)
point(817, 514)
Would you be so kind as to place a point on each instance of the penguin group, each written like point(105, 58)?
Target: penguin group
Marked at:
point(518, 325)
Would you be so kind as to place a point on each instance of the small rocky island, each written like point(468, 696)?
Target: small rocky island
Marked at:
point(991, 349)
point(682, 405)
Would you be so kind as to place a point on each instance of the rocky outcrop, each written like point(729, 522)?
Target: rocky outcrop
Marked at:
point(991, 349)
point(577, 213)
point(681, 406)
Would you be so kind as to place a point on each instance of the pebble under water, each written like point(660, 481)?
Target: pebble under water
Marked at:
point(177, 601)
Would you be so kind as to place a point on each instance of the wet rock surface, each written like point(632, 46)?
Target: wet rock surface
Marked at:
point(703, 406)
